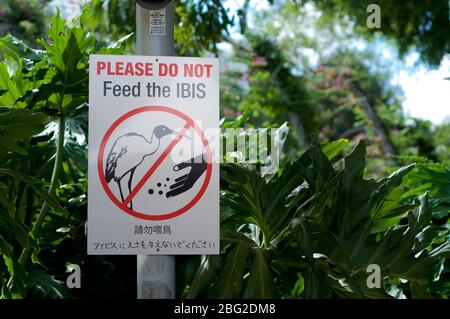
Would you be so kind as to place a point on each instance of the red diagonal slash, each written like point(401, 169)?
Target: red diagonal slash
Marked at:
point(160, 159)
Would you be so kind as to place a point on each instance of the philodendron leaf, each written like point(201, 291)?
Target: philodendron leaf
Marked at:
point(5, 248)
point(71, 57)
point(355, 163)
point(228, 236)
point(18, 49)
point(10, 226)
point(116, 47)
point(16, 287)
point(43, 285)
point(229, 283)
point(58, 41)
point(209, 266)
point(77, 153)
point(260, 281)
point(11, 145)
point(331, 150)
point(21, 123)
point(418, 291)
point(37, 185)
point(441, 251)
point(13, 93)
point(342, 223)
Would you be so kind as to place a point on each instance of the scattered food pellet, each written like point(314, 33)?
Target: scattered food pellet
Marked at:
point(160, 192)
point(167, 179)
point(159, 184)
point(150, 191)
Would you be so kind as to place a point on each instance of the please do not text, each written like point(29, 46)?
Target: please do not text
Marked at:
point(121, 68)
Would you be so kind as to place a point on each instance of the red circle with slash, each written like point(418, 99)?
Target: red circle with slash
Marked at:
point(123, 205)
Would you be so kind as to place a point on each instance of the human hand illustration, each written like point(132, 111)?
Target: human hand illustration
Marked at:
point(184, 183)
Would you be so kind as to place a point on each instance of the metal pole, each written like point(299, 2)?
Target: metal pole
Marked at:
point(155, 43)
point(154, 36)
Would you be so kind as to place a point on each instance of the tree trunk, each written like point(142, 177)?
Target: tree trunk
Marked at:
point(380, 129)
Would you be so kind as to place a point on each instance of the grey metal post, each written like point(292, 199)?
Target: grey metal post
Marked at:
point(154, 43)
point(154, 36)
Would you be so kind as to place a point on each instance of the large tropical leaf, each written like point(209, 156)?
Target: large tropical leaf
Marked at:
point(37, 186)
point(20, 123)
point(43, 285)
point(229, 284)
point(327, 223)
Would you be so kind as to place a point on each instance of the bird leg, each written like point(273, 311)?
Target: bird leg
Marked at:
point(130, 180)
point(120, 189)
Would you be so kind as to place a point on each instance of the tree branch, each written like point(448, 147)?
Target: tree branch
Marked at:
point(380, 129)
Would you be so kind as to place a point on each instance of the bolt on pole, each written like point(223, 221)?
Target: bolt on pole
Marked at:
point(154, 36)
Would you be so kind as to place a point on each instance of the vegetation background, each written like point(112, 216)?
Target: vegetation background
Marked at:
point(361, 182)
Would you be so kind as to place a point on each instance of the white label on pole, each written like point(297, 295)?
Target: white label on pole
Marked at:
point(157, 22)
point(153, 155)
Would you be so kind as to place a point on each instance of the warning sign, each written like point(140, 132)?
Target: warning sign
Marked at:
point(153, 155)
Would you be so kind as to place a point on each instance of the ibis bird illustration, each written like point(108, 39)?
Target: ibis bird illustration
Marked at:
point(128, 152)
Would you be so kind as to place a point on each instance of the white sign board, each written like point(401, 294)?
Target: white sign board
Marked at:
point(153, 155)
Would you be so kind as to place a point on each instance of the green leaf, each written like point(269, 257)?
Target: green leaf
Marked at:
point(71, 56)
point(260, 281)
point(312, 283)
point(435, 180)
point(391, 219)
point(16, 289)
point(57, 28)
point(13, 93)
point(116, 47)
point(35, 257)
point(320, 162)
point(424, 213)
point(187, 267)
point(36, 184)
point(233, 237)
point(42, 93)
point(5, 248)
point(204, 276)
point(43, 285)
point(418, 291)
point(442, 251)
point(77, 153)
point(327, 222)
point(5, 142)
point(230, 278)
point(18, 49)
point(21, 123)
point(13, 228)
point(299, 286)
point(331, 150)
point(401, 251)
point(417, 191)
point(236, 123)
point(9, 206)
point(355, 163)
point(301, 231)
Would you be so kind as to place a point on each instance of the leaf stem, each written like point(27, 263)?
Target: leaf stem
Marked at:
point(26, 253)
